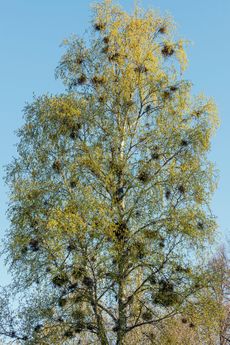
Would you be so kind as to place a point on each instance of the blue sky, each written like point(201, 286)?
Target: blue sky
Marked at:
point(30, 35)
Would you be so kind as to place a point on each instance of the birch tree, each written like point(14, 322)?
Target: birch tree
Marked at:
point(110, 191)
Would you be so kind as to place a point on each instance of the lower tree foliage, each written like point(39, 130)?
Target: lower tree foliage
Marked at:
point(110, 193)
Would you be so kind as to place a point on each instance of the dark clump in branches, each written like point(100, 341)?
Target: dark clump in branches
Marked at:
point(106, 39)
point(181, 189)
point(80, 60)
point(167, 194)
point(81, 80)
point(167, 50)
point(144, 176)
point(87, 281)
point(57, 166)
point(166, 295)
point(37, 328)
point(34, 245)
point(71, 246)
point(155, 156)
point(74, 130)
point(174, 88)
point(152, 279)
point(114, 56)
point(69, 333)
point(73, 184)
point(184, 142)
point(147, 315)
point(121, 231)
point(62, 302)
point(98, 80)
point(148, 108)
point(99, 26)
point(200, 225)
point(162, 30)
point(60, 279)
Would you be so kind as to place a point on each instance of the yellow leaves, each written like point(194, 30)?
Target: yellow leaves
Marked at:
point(92, 160)
point(190, 165)
point(66, 222)
point(98, 80)
point(64, 106)
point(185, 221)
point(181, 55)
point(52, 223)
point(199, 194)
point(200, 314)
point(206, 108)
point(212, 110)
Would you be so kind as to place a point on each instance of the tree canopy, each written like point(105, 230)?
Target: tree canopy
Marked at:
point(110, 192)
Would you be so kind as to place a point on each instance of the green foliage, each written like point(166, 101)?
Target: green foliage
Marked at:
point(110, 190)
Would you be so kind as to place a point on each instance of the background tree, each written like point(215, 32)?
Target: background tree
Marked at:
point(110, 191)
point(204, 318)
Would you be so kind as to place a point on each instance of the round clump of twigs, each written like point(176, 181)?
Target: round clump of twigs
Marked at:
point(167, 194)
point(200, 225)
point(152, 279)
point(78, 314)
point(184, 142)
point(144, 176)
point(174, 88)
point(74, 130)
point(147, 315)
point(34, 245)
point(60, 279)
point(148, 108)
point(101, 99)
point(166, 295)
point(69, 333)
point(114, 56)
point(100, 26)
point(87, 281)
point(57, 166)
point(82, 79)
point(62, 302)
point(162, 243)
point(37, 328)
point(167, 50)
point(73, 184)
point(80, 60)
point(106, 39)
point(166, 94)
point(98, 80)
point(181, 188)
point(163, 29)
point(71, 246)
point(155, 155)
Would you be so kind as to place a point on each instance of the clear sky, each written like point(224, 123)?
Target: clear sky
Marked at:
point(30, 35)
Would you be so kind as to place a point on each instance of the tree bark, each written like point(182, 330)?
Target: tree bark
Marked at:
point(121, 307)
